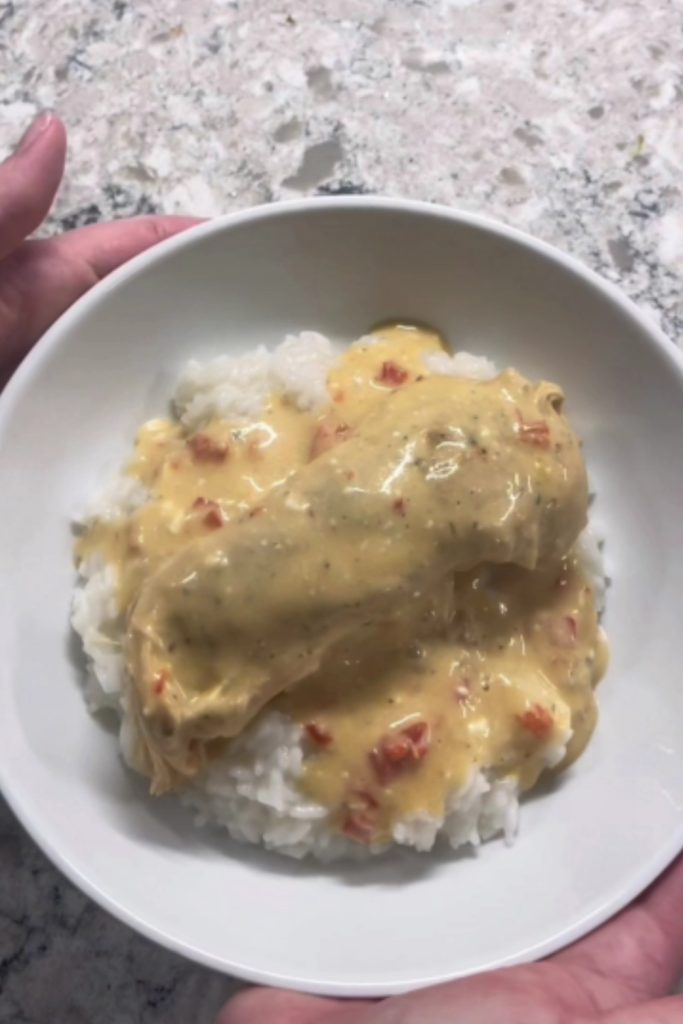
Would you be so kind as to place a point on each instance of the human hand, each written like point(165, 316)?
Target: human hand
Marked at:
point(39, 279)
point(620, 974)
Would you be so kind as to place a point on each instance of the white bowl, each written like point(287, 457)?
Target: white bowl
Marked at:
point(68, 418)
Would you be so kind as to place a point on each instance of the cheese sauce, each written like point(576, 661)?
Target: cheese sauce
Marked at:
point(502, 685)
point(201, 481)
point(492, 667)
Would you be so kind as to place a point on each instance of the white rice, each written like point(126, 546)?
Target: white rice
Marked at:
point(251, 790)
point(462, 364)
point(121, 496)
point(95, 617)
point(236, 387)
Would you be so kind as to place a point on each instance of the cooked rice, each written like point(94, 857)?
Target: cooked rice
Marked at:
point(237, 387)
point(251, 790)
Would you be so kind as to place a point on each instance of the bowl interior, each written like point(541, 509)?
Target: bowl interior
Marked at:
point(69, 418)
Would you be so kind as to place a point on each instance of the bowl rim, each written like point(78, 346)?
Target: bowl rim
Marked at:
point(21, 382)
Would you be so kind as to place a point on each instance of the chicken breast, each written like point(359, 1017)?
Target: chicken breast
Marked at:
point(446, 474)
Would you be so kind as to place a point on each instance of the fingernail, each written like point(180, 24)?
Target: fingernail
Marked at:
point(35, 130)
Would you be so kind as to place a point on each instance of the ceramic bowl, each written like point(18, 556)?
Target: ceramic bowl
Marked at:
point(67, 420)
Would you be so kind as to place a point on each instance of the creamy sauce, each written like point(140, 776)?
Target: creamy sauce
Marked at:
point(240, 464)
point(197, 489)
point(501, 685)
point(320, 555)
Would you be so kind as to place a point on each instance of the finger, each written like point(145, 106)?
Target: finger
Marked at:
point(43, 278)
point(643, 946)
point(662, 1011)
point(259, 1005)
point(29, 180)
point(103, 247)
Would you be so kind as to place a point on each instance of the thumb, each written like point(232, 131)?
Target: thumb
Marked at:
point(271, 1006)
point(661, 1011)
point(104, 247)
point(46, 276)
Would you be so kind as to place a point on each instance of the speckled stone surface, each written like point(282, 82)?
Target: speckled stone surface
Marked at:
point(564, 118)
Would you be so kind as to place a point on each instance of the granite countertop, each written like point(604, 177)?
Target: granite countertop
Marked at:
point(562, 118)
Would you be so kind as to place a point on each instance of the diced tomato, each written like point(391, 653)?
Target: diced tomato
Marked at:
point(318, 733)
point(385, 771)
point(400, 506)
point(206, 449)
point(397, 750)
point(392, 374)
point(537, 432)
point(359, 826)
point(328, 435)
point(362, 800)
point(360, 816)
point(538, 721)
point(213, 516)
point(160, 680)
point(323, 440)
point(419, 735)
point(563, 631)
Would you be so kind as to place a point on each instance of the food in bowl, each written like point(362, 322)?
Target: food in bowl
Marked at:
point(346, 599)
